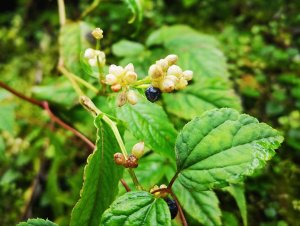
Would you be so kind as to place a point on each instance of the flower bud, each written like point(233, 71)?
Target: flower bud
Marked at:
point(154, 188)
point(116, 87)
point(174, 70)
point(122, 99)
point(97, 33)
point(138, 149)
point(92, 62)
point(129, 67)
point(89, 53)
point(132, 97)
point(110, 79)
point(119, 158)
point(188, 75)
point(130, 77)
point(131, 162)
point(172, 59)
point(168, 85)
point(172, 77)
point(163, 194)
point(155, 71)
point(181, 84)
point(116, 70)
point(163, 63)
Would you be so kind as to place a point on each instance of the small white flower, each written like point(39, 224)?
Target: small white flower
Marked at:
point(173, 78)
point(172, 59)
point(168, 85)
point(174, 70)
point(130, 77)
point(132, 97)
point(188, 75)
point(155, 71)
point(89, 53)
point(110, 79)
point(93, 62)
point(116, 70)
point(129, 67)
point(181, 84)
point(163, 63)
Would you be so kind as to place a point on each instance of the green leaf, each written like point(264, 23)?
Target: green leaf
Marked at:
point(73, 40)
point(37, 222)
point(238, 193)
point(198, 98)
point(59, 92)
point(203, 206)
point(137, 208)
point(127, 48)
point(101, 177)
point(196, 51)
point(149, 123)
point(7, 117)
point(221, 147)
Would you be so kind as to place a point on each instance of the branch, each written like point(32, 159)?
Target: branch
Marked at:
point(125, 185)
point(44, 105)
point(181, 214)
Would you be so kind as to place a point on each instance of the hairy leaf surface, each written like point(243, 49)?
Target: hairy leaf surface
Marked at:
point(149, 123)
point(101, 177)
point(137, 208)
point(222, 146)
point(37, 222)
point(196, 99)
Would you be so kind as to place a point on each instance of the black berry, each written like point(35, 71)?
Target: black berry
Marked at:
point(172, 207)
point(153, 94)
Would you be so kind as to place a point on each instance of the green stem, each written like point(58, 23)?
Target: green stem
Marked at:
point(83, 82)
point(73, 82)
point(89, 105)
point(61, 12)
point(89, 9)
point(143, 81)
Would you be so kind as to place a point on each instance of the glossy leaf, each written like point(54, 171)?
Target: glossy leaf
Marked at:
point(196, 99)
point(149, 123)
point(37, 222)
point(137, 208)
point(101, 177)
point(222, 146)
point(73, 41)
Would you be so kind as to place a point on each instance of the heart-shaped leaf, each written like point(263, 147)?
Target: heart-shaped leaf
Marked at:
point(221, 147)
point(137, 208)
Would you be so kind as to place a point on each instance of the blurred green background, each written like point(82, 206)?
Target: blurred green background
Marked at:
point(41, 164)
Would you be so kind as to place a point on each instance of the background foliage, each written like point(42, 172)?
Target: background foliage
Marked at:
point(255, 44)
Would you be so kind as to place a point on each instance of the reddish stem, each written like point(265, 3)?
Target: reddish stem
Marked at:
point(125, 185)
point(44, 105)
point(181, 214)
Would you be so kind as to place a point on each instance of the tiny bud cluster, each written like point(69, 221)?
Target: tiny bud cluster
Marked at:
point(130, 162)
point(167, 76)
point(138, 149)
point(119, 77)
point(97, 33)
point(93, 55)
point(159, 194)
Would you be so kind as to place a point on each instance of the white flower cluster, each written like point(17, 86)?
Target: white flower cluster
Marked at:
point(92, 55)
point(119, 77)
point(167, 76)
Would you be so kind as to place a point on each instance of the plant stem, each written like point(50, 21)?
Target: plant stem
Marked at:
point(44, 105)
point(61, 12)
point(89, 9)
point(68, 74)
point(172, 180)
point(181, 214)
point(143, 81)
point(100, 69)
point(125, 185)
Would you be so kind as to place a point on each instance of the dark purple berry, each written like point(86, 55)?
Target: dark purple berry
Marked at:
point(172, 207)
point(153, 94)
